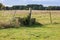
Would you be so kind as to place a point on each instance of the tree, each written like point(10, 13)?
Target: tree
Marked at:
point(53, 8)
point(2, 6)
point(8, 8)
point(19, 7)
point(41, 7)
point(35, 6)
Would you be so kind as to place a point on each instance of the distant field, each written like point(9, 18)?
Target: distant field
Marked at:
point(41, 16)
point(46, 32)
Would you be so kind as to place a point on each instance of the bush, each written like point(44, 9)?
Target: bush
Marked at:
point(25, 21)
point(5, 25)
point(10, 24)
point(14, 22)
point(17, 22)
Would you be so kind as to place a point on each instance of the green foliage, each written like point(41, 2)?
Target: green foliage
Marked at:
point(17, 22)
point(25, 21)
point(2, 6)
point(36, 6)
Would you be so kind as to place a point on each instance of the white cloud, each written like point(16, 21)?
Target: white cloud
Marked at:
point(23, 2)
point(1, 1)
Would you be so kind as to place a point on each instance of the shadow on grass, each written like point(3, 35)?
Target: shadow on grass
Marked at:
point(34, 25)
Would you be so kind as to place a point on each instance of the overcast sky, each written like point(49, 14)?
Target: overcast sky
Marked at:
point(24, 2)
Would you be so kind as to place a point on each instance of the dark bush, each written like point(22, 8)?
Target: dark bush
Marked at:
point(25, 21)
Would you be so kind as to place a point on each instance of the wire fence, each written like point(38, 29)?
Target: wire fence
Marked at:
point(42, 16)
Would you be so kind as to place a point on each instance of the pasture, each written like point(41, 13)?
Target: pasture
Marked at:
point(46, 32)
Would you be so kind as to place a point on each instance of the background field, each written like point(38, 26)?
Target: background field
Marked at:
point(41, 16)
point(46, 32)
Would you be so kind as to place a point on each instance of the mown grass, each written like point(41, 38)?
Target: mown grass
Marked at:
point(46, 32)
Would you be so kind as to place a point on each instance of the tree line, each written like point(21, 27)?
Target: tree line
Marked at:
point(26, 7)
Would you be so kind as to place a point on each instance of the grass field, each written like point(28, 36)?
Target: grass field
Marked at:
point(46, 32)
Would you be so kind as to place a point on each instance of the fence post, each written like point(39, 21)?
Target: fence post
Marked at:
point(50, 17)
point(30, 12)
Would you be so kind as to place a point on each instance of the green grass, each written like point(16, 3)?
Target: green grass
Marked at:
point(46, 32)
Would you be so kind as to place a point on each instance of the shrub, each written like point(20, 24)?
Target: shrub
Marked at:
point(25, 21)
point(5, 25)
point(10, 24)
point(17, 22)
point(14, 22)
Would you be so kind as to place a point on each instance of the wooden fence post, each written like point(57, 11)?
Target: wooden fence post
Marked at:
point(30, 12)
point(50, 17)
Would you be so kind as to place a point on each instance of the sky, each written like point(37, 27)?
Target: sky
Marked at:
point(25, 2)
